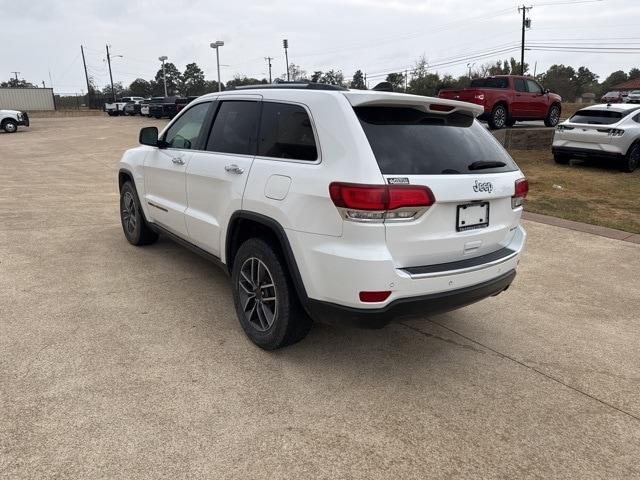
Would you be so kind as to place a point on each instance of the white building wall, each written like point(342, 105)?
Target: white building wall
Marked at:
point(29, 99)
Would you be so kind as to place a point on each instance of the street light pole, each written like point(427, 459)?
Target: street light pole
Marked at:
point(164, 77)
point(113, 93)
point(217, 44)
point(285, 44)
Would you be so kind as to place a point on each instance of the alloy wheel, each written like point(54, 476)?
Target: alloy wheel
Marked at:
point(257, 294)
point(129, 219)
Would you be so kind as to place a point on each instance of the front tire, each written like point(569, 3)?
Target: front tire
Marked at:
point(561, 159)
point(265, 299)
point(10, 126)
point(632, 161)
point(553, 117)
point(134, 226)
point(498, 117)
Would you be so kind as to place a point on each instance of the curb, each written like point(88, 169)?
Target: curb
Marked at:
point(583, 227)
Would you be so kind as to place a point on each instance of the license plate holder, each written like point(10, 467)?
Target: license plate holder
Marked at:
point(471, 216)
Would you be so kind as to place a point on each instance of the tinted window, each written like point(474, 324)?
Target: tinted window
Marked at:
point(519, 85)
point(411, 142)
point(235, 128)
point(285, 132)
point(599, 117)
point(185, 131)
point(534, 87)
point(490, 83)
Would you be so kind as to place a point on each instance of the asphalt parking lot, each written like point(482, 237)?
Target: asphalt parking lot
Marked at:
point(125, 362)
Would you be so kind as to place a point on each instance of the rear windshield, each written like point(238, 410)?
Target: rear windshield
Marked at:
point(408, 141)
point(490, 83)
point(598, 117)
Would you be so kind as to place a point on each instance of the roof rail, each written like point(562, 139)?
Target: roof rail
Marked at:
point(291, 85)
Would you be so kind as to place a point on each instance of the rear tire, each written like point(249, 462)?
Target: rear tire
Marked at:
point(561, 159)
point(632, 161)
point(498, 117)
point(10, 126)
point(265, 299)
point(134, 225)
point(553, 116)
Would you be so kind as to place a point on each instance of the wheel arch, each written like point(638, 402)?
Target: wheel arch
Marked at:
point(244, 225)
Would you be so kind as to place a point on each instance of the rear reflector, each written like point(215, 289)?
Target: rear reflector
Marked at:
point(520, 192)
point(371, 297)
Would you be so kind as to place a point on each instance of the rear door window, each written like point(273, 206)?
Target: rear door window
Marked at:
point(235, 128)
point(412, 142)
point(286, 132)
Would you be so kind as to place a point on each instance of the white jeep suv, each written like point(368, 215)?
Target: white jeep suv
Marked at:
point(330, 204)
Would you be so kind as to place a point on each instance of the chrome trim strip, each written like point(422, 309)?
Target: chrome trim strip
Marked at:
point(475, 268)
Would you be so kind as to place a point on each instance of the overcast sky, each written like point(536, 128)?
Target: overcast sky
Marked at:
point(41, 38)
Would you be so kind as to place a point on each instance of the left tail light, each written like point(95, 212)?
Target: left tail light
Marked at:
point(377, 203)
point(520, 192)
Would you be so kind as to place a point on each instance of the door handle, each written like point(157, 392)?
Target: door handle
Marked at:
point(177, 160)
point(233, 168)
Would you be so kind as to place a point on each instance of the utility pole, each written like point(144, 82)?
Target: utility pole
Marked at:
point(16, 74)
point(285, 44)
point(86, 76)
point(526, 23)
point(164, 77)
point(406, 79)
point(365, 81)
point(268, 59)
point(113, 92)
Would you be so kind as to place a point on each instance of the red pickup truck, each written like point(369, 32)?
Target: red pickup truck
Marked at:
point(509, 98)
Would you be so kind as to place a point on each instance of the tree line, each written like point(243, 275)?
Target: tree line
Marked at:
point(567, 81)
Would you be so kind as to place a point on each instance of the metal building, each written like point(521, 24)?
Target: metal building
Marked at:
point(29, 99)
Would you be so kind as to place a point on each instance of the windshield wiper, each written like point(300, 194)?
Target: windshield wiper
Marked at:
point(481, 164)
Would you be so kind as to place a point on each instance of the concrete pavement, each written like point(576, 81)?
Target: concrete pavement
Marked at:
point(124, 362)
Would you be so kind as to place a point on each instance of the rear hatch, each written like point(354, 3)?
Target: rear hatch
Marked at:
point(590, 126)
point(471, 176)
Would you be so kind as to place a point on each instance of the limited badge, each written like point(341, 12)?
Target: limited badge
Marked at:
point(397, 180)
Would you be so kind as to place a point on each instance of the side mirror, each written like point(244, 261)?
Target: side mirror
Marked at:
point(149, 136)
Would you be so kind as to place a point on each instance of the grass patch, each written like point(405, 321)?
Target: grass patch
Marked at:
point(593, 192)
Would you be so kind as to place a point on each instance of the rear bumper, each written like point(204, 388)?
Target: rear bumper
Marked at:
point(580, 152)
point(423, 305)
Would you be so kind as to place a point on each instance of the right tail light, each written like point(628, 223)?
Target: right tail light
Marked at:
point(520, 192)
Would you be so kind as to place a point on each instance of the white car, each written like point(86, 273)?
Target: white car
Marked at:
point(634, 96)
point(11, 119)
point(609, 131)
point(330, 204)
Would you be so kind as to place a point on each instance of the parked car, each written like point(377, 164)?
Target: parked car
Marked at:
point(11, 119)
point(610, 132)
point(507, 99)
point(183, 102)
point(117, 108)
point(168, 107)
point(330, 204)
point(144, 107)
point(612, 97)
point(634, 96)
point(133, 107)
point(154, 107)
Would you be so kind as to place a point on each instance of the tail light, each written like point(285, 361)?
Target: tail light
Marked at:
point(520, 192)
point(616, 132)
point(377, 203)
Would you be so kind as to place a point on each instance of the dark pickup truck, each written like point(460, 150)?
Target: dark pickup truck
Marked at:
point(168, 107)
point(509, 98)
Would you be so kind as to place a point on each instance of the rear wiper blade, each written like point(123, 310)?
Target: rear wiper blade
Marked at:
point(479, 165)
